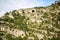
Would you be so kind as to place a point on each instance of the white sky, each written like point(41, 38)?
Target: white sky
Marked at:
point(9, 5)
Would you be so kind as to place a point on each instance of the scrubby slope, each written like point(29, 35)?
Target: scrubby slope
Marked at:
point(39, 23)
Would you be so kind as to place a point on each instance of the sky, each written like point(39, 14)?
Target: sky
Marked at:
point(9, 5)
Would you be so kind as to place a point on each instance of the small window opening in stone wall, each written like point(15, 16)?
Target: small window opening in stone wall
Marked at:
point(16, 31)
point(41, 39)
point(12, 30)
point(22, 34)
point(33, 11)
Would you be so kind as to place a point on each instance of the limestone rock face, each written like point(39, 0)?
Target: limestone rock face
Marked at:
point(39, 23)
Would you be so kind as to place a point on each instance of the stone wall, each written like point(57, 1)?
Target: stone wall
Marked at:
point(14, 32)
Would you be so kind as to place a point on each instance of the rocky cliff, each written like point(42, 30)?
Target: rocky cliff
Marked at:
point(38, 23)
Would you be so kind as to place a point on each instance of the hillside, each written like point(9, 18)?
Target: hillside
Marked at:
point(38, 23)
